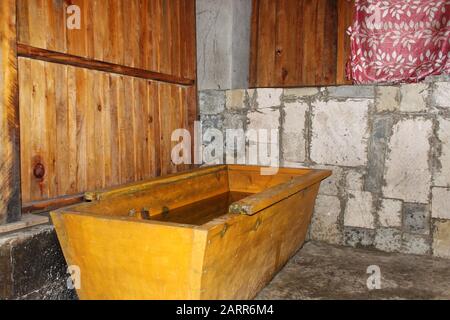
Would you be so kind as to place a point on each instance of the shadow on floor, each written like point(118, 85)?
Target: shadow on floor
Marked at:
point(321, 271)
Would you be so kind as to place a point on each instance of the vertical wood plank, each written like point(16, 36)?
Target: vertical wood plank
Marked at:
point(25, 119)
point(128, 164)
point(319, 59)
point(254, 40)
point(91, 139)
point(62, 135)
point(106, 129)
point(96, 141)
point(266, 43)
point(329, 70)
point(115, 150)
point(138, 131)
point(346, 10)
point(82, 123)
point(68, 92)
point(286, 32)
point(23, 23)
point(49, 140)
point(154, 103)
point(38, 103)
point(76, 38)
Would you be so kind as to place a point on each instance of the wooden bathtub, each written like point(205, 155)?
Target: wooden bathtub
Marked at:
point(220, 232)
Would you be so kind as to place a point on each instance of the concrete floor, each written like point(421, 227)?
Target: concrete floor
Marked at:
point(321, 271)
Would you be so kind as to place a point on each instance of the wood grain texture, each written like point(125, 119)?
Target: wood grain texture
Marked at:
point(9, 116)
point(298, 42)
point(152, 35)
point(90, 130)
point(99, 104)
point(346, 10)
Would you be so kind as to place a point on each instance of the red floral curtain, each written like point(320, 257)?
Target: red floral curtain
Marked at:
point(396, 41)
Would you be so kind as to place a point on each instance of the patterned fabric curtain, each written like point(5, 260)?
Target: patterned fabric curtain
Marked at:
point(396, 41)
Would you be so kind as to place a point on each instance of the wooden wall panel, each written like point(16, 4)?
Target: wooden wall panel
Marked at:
point(9, 116)
point(296, 42)
point(154, 35)
point(87, 130)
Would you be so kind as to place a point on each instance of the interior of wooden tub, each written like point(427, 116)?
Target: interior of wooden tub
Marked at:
point(195, 198)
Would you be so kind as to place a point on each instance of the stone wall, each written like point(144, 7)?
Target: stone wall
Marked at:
point(388, 146)
point(32, 266)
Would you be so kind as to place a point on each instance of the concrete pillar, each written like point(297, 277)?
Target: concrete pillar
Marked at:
point(223, 43)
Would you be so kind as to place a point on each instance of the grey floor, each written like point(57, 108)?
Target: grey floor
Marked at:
point(321, 271)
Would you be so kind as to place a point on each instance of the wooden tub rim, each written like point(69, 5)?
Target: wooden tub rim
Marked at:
point(248, 206)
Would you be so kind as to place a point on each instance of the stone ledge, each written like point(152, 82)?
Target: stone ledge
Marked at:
point(28, 220)
point(32, 265)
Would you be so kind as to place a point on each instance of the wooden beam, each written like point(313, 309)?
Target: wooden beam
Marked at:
point(27, 51)
point(10, 210)
point(51, 204)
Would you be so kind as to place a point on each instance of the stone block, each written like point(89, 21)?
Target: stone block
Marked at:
point(234, 135)
point(211, 122)
point(381, 130)
point(293, 136)
point(235, 99)
point(38, 262)
point(351, 92)
point(268, 98)
point(442, 173)
point(416, 218)
point(330, 186)
point(261, 147)
point(388, 240)
point(354, 180)
point(211, 102)
point(407, 173)
point(415, 244)
point(414, 97)
point(441, 239)
point(390, 213)
point(267, 119)
point(35, 267)
point(325, 224)
point(387, 98)
point(441, 203)
point(441, 94)
point(359, 238)
point(340, 132)
point(359, 210)
point(234, 121)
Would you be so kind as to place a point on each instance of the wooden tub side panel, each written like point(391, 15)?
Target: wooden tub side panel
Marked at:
point(121, 259)
point(243, 253)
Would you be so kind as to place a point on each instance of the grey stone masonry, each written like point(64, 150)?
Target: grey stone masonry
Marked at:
point(32, 266)
point(388, 148)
